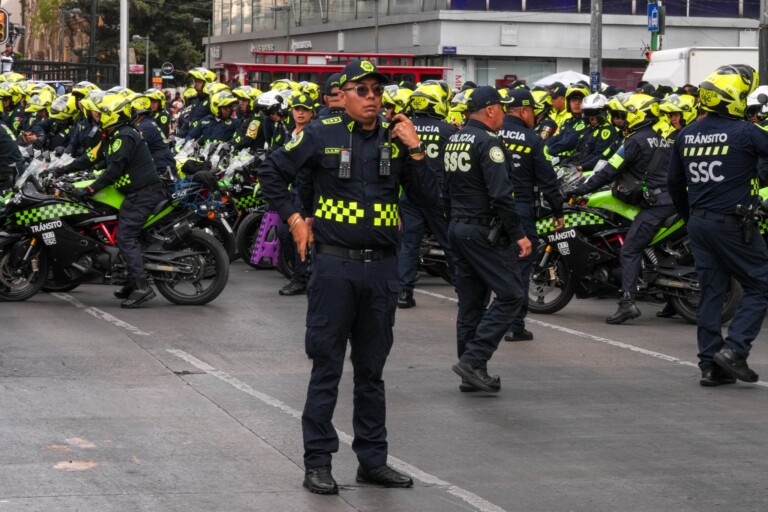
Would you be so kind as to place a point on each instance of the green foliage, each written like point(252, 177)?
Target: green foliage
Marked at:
point(168, 23)
point(46, 15)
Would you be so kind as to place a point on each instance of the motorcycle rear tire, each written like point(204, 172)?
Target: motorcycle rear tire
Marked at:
point(216, 228)
point(201, 241)
point(688, 311)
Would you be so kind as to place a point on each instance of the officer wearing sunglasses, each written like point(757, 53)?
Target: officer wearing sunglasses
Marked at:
point(350, 168)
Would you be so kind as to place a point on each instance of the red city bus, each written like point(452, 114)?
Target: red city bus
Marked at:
point(316, 66)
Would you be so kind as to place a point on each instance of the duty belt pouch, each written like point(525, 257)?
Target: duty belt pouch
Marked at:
point(494, 231)
point(628, 189)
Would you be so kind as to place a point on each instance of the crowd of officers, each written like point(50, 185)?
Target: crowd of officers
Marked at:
point(360, 169)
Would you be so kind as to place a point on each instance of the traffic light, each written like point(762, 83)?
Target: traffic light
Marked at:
point(3, 26)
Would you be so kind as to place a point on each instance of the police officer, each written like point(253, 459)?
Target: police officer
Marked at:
point(430, 103)
point(131, 170)
point(601, 138)
point(85, 131)
point(249, 134)
point(201, 77)
point(143, 121)
point(11, 162)
point(531, 172)
point(486, 237)
point(712, 177)
point(560, 112)
point(642, 161)
point(568, 139)
point(354, 167)
point(160, 113)
point(334, 104)
point(218, 126)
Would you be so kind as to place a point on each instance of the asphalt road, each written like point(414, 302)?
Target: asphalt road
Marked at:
point(191, 409)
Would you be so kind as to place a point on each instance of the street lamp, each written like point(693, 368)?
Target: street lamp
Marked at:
point(208, 43)
point(287, 9)
point(146, 60)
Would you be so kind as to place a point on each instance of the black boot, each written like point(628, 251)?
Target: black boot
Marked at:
point(125, 291)
point(627, 310)
point(406, 300)
point(668, 312)
point(142, 292)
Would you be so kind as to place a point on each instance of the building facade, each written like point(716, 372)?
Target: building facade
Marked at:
point(484, 41)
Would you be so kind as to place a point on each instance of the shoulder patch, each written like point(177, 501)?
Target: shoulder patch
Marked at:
point(332, 120)
point(115, 145)
point(294, 141)
point(496, 154)
point(253, 129)
point(605, 134)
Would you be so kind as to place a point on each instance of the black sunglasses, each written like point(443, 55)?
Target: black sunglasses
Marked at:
point(362, 90)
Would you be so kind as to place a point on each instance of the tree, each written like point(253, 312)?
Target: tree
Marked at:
point(168, 23)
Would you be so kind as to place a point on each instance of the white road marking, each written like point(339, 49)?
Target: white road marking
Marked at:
point(472, 499)
point(607, 341)
point(101, 315)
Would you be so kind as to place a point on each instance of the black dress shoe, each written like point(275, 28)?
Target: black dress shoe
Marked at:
point(714, 376)
point(383, 475)
point(294, 288)
point(735, 365)
point(524, 335)
point(477, 377)
point(466, 387)
point(667, 312)
point(406, 300)
point(320, 481)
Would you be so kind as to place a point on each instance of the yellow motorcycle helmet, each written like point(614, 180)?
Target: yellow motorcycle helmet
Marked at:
point(642, 110)
point(725, 91)
point(431, 98)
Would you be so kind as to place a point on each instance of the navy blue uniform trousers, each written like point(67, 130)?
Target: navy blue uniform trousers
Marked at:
point(414, 220)
point(480, 268)
point(640, 234)
point(720, 252)
point(527, 218)
point(133, 214)
point(356, 301)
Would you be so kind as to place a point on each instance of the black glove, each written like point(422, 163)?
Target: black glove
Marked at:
point(578, 191)
point(81, 193)
point(192, 167)
point(207, 178)
point(60, 170)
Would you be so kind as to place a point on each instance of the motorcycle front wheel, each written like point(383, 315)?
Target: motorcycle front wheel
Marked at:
point(209, 272)
point(20, 282)
point(551, 284)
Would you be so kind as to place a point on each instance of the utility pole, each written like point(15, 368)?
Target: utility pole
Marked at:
point(124, 43)
point(596, 46)
point(762, 48)
point(92, 41)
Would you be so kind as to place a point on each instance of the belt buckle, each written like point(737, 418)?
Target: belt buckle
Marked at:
point(366, 255)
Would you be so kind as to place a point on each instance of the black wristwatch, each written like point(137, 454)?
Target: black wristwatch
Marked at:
point(417, 150)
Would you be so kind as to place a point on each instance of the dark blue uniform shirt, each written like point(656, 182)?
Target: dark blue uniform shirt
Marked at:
point(360, 212)
point(713, 165)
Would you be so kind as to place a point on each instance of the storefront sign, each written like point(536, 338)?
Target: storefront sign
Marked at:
point(262, 47)
point(301, 45)
point(509, 35)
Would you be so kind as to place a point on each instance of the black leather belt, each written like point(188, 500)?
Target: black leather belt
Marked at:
point(356, 254)
point(482, 221)
point(727, 218)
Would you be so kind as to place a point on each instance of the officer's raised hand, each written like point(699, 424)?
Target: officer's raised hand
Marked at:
point(558, 223)
point(404, 130)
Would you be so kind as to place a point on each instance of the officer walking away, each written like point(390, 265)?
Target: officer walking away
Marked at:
point(531, 172)
point(713, 182)
point(639, 170)
point(486, 237)
point(131, 170)
point(430, 103)
point(352, 168)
